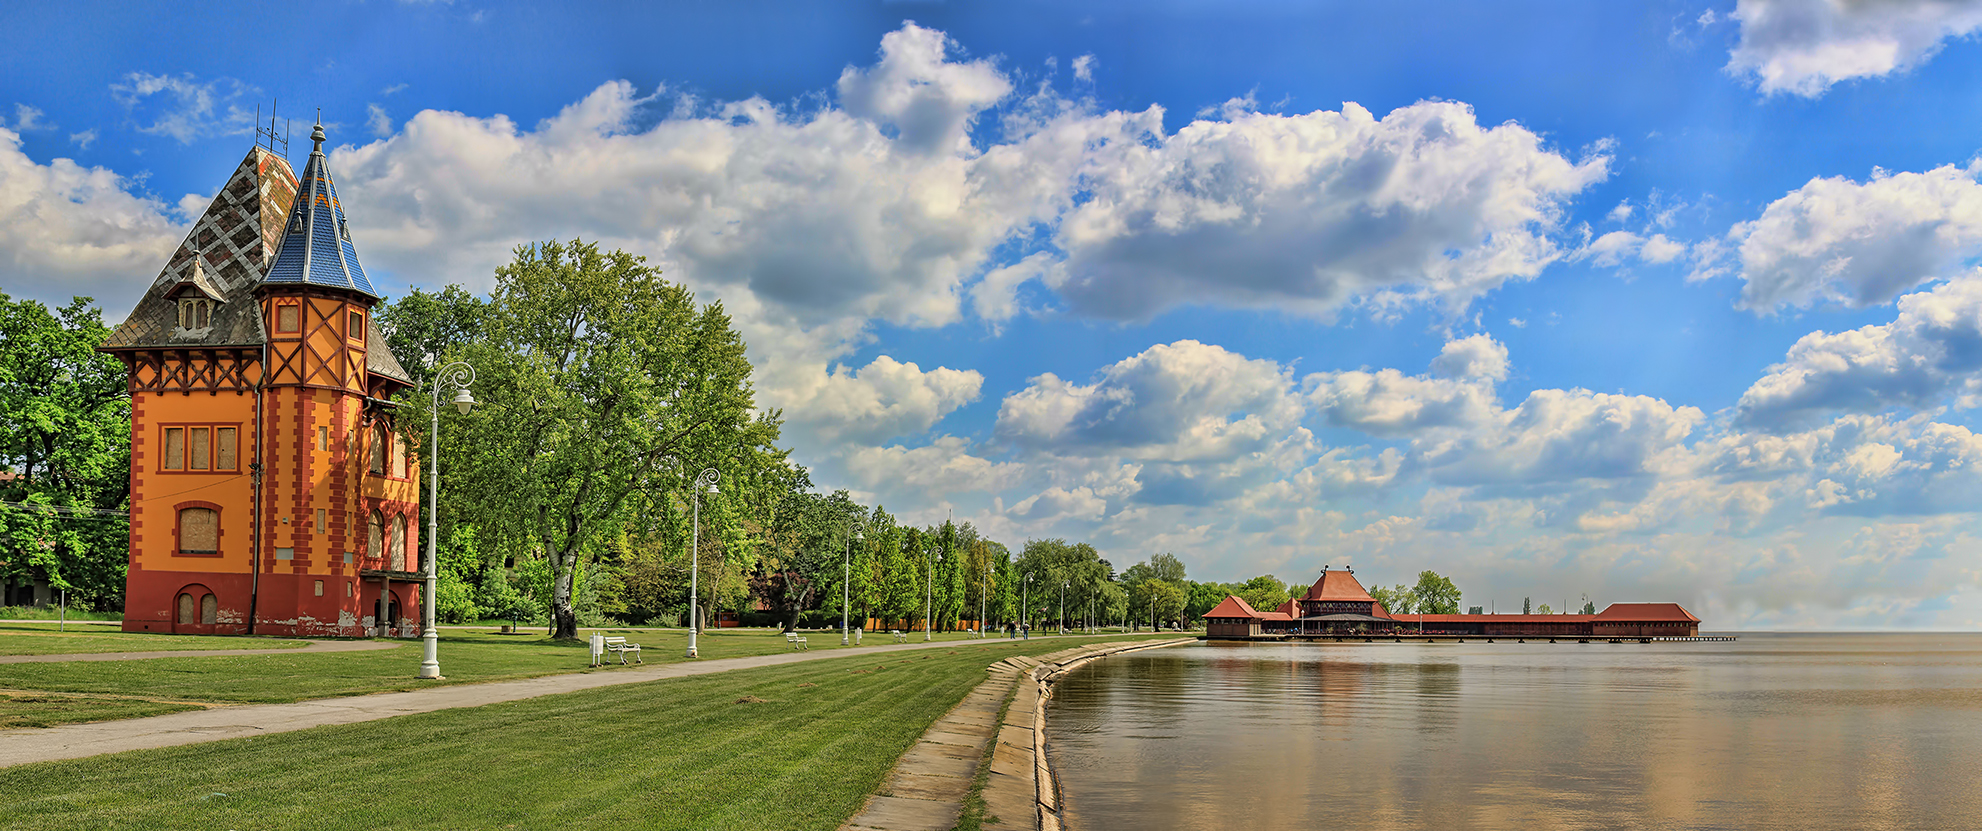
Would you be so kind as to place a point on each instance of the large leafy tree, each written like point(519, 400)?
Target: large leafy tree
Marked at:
point(65, 452)
point(603, 383)
point(1435, 594)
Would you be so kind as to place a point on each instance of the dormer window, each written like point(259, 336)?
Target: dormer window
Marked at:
point(296, 222)
point(195, 313)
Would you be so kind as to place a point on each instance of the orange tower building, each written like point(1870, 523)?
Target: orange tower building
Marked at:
point(270, 490)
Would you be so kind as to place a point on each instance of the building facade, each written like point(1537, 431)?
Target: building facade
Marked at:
point(271, 491)
point(1337, 604)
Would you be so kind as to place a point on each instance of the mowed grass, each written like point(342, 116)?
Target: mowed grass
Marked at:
point(466, 656)
point(684, 753)
point(18, 710)
point(93, 638)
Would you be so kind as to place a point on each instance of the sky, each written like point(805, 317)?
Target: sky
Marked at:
point(1656, 301)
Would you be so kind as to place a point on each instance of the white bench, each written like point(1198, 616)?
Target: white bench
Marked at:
point(616, 644)
point(796, 640)
point(899, 635)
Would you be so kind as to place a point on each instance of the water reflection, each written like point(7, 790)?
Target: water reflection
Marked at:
point(1775, 731)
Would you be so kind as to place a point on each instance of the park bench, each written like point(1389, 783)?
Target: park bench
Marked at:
point(796, 640)
point(899, 635)
point(616, 644)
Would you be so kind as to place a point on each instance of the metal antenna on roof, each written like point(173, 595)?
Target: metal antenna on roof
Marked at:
point(270, 132)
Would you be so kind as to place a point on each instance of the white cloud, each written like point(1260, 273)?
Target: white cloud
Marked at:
point(377, 121)
point(929, 100)
point(28, 119)
point(1478, 356)
point(1931, 352)
point(1803, 47)
point(1658, 250)
point(1056, 504)
point(945, 467)
point(883, 400)
point(1180, 402)
point(1859, 244)
point(1084, 68)
point(995, 298)
point(1613, 248)
point(1306, 212)
point(1389, 403)
point(83, 139)
point(1562, 436)
point(77, 230)
point(184, 107)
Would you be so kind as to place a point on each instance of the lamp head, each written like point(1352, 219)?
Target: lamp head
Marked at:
point(463, 401)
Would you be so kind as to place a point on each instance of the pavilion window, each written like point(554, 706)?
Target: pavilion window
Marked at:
point(288, 318)
point(398, 456)
point(199, 531)
point(209, 609)
point(226, 443)
point(186, 608)
point(200, 454)
point(378, 449)
point(375, 536)
point(355, 326)
point(175, 448)
point(399, 543)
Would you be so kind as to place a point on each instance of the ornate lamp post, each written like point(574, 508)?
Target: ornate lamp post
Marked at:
point(1025, 604)
point(846, 575)
point(707, 479)
point(460, 376)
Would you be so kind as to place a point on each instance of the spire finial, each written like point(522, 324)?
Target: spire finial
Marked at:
point(316, 135)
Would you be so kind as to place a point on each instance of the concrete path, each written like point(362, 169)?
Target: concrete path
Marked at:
point(314, 646)
point(74, 741)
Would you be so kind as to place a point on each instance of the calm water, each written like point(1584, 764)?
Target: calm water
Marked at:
point(1773, 731)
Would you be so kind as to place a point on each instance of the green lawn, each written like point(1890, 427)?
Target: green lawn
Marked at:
point(29, 710)
point(44, 639)
point(466, 656)
point(684, 753)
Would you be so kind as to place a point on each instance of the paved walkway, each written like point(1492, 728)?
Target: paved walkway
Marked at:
point(74, 741)
point(314, 646)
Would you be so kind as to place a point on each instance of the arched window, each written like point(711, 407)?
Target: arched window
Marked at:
point(199, 531)
point(399, 543)
point(209, 609)
point(379, 448)
point(186, 608)
point(375, 535)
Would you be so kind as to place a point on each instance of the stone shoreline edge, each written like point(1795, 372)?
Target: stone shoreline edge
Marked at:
point(1004, 719)
point(1051, 668)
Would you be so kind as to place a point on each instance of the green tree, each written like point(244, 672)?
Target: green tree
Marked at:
point(65, 443)
point(603, 383)
point(1435, 595)
point(1264, 592)
point(1527, 609)
point(1589, 606)
point(1165, 600)
point(1545, 610)
point(1399, 599)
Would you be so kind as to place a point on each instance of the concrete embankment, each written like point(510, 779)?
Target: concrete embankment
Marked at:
point(932, 781)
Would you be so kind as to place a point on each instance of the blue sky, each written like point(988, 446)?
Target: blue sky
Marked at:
point(1661, 301)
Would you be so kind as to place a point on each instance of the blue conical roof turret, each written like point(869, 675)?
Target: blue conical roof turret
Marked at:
point(316, 244)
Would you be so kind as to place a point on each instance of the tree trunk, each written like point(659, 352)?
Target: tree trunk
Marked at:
point(564, 619)
point(798, 608)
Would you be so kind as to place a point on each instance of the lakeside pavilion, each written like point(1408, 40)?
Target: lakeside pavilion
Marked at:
point(1337, 604)
point(271, 489)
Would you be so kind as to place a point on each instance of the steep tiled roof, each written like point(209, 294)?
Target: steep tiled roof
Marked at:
point(1233, 606)
point(316, 244)
point(378, 356)
point(232, 247)
point(1635, 612)
point(1337, 585)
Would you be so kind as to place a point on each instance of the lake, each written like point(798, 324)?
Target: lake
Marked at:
point(1791, 731)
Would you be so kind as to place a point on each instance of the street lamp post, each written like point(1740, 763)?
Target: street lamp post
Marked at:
point(846, 576)
point(707, 479)
point(459, 375)
point(1025, 603)
point(1063, 607)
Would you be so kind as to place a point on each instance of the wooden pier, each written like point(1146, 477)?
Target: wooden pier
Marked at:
point(1437, 637)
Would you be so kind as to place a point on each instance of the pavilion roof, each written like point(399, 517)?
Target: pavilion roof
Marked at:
point(1337, 585)
point(1634, 612)
point(1507, 618)
point(1234, 606)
